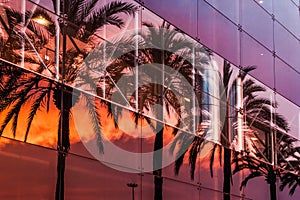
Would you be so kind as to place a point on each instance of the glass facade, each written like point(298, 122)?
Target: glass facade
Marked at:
point(149, 99)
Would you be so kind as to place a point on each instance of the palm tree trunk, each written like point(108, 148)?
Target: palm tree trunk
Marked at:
point(61, 163)
point(227, 173)
point(271, 179)
point(157, 163)
point(64, 105)
point(273, 191)
point(63, 148)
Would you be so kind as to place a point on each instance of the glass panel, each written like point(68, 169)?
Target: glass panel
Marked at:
point(282, 195)
point(28, 110)
point(257, 188)
point(166, 70)
point(23, 168)
point(251, 14)
point(284, 41)
point(32, 48)
point(237, 178)
point(83, 64)
point(291, 113)
point(171, 189)
point(229, 8)
point(237, 197)
point(284, 87)
point(161, 149)
point(129, 21)
point(90, 179)
point(186, 168)
point(148, 186)
point(253, 54)
point(260, 103)
point(185, 19)
point(108, 132)
point(266, 4)
point(44, 3)
point(211, 170)
point(290, 21)
point(216, 32)
point(104, 56)
point(210, 194)
point(178, 190)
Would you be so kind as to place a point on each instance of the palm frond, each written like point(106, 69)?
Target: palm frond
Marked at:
point(212, 159)
point(246, 70)
point(33, 110)
point(95, 120)
point(108, 14)
point(249, 177)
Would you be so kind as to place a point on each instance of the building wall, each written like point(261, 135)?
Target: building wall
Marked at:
point(260, 33)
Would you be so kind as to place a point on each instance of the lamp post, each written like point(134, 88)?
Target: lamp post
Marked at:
point(132, 185)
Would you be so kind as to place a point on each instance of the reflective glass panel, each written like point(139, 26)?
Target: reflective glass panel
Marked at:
point(148, 186)
point(89, 179)
point(211, 166)
point(253, 54)
point(28, 110)
point(266, 4)
point(23, 168)
point(287, 47)
point(256, 188)
point(183, 149)
point(210, 194)
point(185, 19)
point(291, 114)
point(108, 132)
point(171, 191)
point(28, 39)
point(216, 32)
point(286, 81)
point(229, 8)
point(251, 14)
point(291, 20)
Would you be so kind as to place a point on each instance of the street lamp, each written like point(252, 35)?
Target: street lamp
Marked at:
point(132, 185)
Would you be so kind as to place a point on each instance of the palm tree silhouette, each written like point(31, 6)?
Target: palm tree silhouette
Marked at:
point(258, 112)
point(38, 91)
point(255, 107)
point(289, 176)
point(160, 46)
point(289, 164)
point(258, 167)
point(86, 18)
point(37, 36)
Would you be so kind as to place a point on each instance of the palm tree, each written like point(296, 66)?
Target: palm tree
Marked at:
point(258, 168)
point(34, 39)
point(289, 166)
point(254, 108)
point(38, 91)
point(158, 47)
point(289, 176)
point(85, 17)
point(258, 112)
point(290, 180)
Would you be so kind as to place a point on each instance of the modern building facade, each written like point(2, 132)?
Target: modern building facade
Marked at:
point(148, 99)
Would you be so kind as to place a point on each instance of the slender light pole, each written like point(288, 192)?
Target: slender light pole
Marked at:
point(132, 185)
